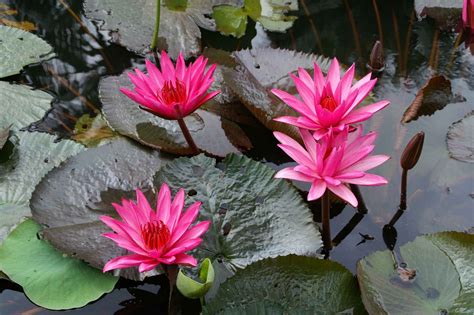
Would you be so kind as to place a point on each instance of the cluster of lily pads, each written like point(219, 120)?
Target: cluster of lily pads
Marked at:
point(262, 244)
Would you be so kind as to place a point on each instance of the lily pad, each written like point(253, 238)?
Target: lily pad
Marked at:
point(49, 278)
point(93, 131)
point(460, 139)
point(260, 70)
point(442, 283)
point(446, 13)
point(20, 48)
point(433, 96)
point(288, 285)
point(4, 135)
point(21, 105)
point(212, 134)
point(134, 23)
point(35, 154)
point(72, 197)
point(254, 216)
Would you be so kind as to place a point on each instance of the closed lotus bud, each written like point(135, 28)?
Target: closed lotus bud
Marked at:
point(412, 152)
point(377, 60)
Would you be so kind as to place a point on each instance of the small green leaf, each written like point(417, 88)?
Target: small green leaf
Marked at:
point(193, 289)
point(176, 5)
point(49, 278)
point(230, 20)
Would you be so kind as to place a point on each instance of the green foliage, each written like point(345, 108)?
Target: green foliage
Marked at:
point(193, 289)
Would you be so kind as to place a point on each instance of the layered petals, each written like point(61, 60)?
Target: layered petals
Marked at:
point(172, 93)
point(332, 162)
point(155, 236)
point(329, 102)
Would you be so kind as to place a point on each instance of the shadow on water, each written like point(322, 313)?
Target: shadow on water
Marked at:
point(440, 189)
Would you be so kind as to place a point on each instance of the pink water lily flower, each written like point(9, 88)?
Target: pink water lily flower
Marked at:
point(155, 237)
point(172, 93)
point(328, 103)
point(332, 162)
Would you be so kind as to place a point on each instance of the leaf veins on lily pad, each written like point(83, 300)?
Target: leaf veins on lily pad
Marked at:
point(433, 96)
point(212, 134)
point(260, 70)
point(133, 21)
point(460, 139)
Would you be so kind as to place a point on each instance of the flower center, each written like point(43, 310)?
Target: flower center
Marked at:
point(329, 103)
point(155, 234)
point(172, 94)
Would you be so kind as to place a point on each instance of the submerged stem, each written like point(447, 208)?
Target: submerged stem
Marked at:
point(154, 40)
point(172, 273)
point(187, 136)
point(325, 205)
point(403, 193)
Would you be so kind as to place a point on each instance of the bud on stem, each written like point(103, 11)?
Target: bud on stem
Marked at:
point(377, 60)
point(412, 152)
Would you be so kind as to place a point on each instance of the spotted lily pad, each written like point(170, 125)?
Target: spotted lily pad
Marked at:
point(260, 70)
point(20, 48)
point(441, 268)
point(49, 278)
point(72, 197)
point(289, 285)
point(460, 139)
point(212, 134)
point(254, 216)
point(34, 155)
point(134, 22)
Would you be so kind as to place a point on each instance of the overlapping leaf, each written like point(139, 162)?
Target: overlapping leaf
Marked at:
point(460, 139)
point(444, 265)
point(212, 134)
point(288, 285)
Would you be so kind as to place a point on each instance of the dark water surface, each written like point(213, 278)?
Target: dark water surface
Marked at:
point(440, 195)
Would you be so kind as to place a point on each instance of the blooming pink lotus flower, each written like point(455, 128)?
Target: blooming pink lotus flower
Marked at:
point(155, 237)
point(328, 103)
point(333, 162)
point(172, 93)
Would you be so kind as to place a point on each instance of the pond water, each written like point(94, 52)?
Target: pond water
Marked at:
point(440, 189)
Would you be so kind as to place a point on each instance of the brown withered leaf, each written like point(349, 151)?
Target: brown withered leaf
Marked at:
point(433, 96)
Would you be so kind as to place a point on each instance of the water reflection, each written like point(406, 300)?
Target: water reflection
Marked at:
point(440, 189)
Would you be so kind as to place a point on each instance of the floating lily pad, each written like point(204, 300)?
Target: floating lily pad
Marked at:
point(288, 285)
point(433, 96)
point(4, 135)
point(72, 197)
point(134, 23)
point(460, 139)
point(211, 133)
point(20, 48)
point(254, 216)
point(441, 268)
point(49, 278)
point(21, 105)
point(93, 131)
point(446, 13)
point(260, 70)
point(35, 154)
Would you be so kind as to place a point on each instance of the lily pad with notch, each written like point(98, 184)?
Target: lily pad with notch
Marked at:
point(289, 285)
point(179, 26)
point(258, 71)
point(34, 155)
point(441, 283)
point(72, 197)
point(212, 134)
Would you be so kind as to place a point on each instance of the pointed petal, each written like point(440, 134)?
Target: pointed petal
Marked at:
point(126, 262)
point(317, 190)
point(186, 260)
point(334, 75)
point(293, 102)
point(290, 173)
point(163, 203)
point(176, 209)
point(368, 180)
point(345, 193)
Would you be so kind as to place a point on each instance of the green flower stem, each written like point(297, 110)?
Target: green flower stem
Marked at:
point(325, 205)
point(187, 136)
point(154, 40)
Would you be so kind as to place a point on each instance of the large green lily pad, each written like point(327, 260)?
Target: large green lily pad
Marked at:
point(443, 284)
point(49, 278)
point(134, 22)
point(34, 155)
point(72, 197)
point(20, 105)
point(460, 139)
point(254, 216)
point(20, 48)
point(289, 285)
point(260, 70)
point(212, 134)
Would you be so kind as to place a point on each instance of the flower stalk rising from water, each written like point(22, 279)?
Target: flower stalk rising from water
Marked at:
point(155, 237)
point(174, 92)
point(328, 103)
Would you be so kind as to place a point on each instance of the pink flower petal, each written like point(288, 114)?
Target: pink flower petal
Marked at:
point(344, 193)
point(334, 75)
point(294, 102)
point(163, 203)
point(317, 190)
point(186, 260)
point(368, 180)
point(126, 262)
point(176, 209)
point(289, 173)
